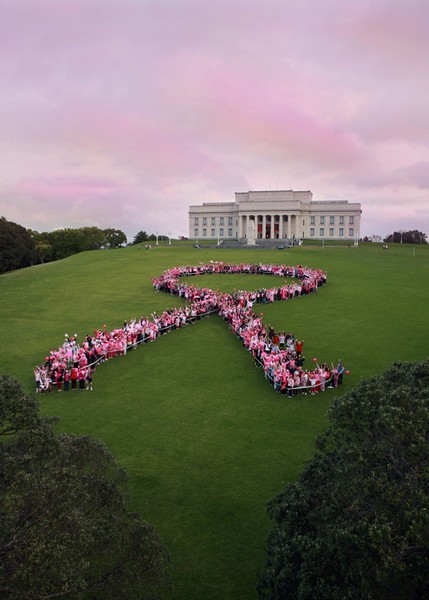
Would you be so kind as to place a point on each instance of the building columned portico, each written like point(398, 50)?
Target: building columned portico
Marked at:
point(275, 215)
point(268, 226)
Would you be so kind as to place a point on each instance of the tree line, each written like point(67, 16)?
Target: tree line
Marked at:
point(406, 237)
point(21, 247)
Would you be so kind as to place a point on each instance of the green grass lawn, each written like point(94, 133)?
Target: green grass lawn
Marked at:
point(205, 440)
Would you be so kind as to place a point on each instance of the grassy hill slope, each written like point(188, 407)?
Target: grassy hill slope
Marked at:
point(205, 440)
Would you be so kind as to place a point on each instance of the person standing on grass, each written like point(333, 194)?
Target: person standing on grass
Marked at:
point(59, 378)
point(73, 377)
point(340, 370)
point(66, 380)
point(334, 373)
point(89, 372)
point(303, 381)
point(299, 344)
point(81, 377)
point(313, 382)
point(37, 378)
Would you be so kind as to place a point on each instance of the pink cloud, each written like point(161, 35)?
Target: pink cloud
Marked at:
point(130, 111)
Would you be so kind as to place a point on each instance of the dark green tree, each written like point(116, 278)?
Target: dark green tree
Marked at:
point(17, 247)
point(94, 238)
point(61, 243)
point(65, 530)
point(407, 237)
point(18, 414)
point(65, 242)
point(114, 238)
point(43, 251)
point(140, 237)
point(356, 524)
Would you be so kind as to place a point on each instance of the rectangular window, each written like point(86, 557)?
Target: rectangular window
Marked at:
point(322, 220)
point(312, 231)
point(212, 232)
point(341, 220)
point(204, 232)
point(331, 220)
point(351, 220)
point(196, 232)
point(213, 220)
point(351, 232)
point(331, 231)
point(322, 231)
point(230, 232)
point(341, 232)
point(312, 220)
point(221, 221)
point(229, 220)
point(221, 231)
point(196, 221)
point(204, 220)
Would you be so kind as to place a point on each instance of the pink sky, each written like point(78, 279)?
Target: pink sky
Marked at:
point(122, 113)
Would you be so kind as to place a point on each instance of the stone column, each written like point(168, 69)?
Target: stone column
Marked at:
point(251, 232)
point(244, 226)
point(293, 226)
point(264, 227)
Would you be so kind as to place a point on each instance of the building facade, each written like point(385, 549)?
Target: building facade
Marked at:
point(282, 214)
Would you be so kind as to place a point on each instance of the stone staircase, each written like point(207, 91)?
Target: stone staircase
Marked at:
point(282, 244)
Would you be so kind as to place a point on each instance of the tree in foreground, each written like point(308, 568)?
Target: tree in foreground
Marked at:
point(65, 530)
point(356, 524)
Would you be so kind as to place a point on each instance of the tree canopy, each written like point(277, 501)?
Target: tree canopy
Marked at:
point(140, 237)
point(407, 237)
point(62, 243)
point(114, 238)
point(17, 247)
point(21, 247)
point(356, 524)
point(65, 530)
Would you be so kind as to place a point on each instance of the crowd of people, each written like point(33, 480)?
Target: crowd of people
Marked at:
point(280, 354)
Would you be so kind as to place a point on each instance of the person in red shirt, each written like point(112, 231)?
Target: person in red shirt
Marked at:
point(298, 345)
point(73, 377)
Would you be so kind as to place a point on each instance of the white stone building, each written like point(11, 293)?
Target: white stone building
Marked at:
point(282, 214)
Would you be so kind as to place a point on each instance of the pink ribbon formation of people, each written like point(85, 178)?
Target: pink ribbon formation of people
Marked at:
point(280, 354)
